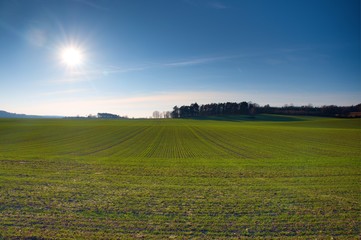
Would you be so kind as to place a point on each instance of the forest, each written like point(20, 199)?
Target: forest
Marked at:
point(249, 108)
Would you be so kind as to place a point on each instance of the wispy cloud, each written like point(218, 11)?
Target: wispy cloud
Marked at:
point(94, 73)
point(117, 69)
point(196, 61)
point(295, 49)
point(71, 78)
point(175, 63)
point(217, 5)
point(91, 4)
point(64, 92)
point(274, 61)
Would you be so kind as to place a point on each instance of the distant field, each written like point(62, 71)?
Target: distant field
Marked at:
point(220, 178)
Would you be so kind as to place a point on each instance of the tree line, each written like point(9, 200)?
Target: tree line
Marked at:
point(108, 116)
point(249, 108)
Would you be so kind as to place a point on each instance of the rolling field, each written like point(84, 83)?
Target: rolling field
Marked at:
point(222, 178)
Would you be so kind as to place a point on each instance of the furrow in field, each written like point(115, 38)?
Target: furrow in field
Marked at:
point(151, 146)
point(225, 143)
point(263, 142)
point(280, 142)
point(163, 142)
point(178, 178)
point(304, 142)
point(182, 142)
point(136, 145)
point(61, 140)
point(116, 142)
point(97, 140)
point(205, 147)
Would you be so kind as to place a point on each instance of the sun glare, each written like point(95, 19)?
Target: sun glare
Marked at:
point(72, 56)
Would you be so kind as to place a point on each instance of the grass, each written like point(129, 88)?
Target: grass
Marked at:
point(269, 177)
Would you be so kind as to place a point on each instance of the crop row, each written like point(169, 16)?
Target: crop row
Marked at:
point(179, 179)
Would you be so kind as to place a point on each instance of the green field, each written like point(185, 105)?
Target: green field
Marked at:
point(220, 178)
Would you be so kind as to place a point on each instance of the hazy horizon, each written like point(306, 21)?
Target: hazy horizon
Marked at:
point(81, 57)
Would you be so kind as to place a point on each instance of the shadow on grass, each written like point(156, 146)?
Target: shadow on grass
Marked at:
point(258, 118)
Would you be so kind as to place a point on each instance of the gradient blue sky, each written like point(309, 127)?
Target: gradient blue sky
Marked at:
point(143, 55)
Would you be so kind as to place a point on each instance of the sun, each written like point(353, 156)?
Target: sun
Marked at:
point(72, 56)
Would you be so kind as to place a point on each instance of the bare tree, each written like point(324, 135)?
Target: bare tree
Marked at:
point(156, 114)
point(167, 114)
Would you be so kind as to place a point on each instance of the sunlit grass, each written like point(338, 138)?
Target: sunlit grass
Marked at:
point(180, 178)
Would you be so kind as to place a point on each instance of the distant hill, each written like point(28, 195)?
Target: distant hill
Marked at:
point(4, 114)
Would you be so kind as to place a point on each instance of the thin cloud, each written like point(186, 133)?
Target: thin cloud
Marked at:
point(190, 62)
point(274, 61)
point(217, 5)
point(179, 63)
point(97, 73)
point(295, 49)
point(93, 74)
point(69, 79)
point(91, 4)
point(69, 91)
point(198, 61)
point(115, 69)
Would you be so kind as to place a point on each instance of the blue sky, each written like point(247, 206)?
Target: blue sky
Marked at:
point(142, 55)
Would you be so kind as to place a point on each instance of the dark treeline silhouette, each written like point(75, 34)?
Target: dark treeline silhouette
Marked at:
point(108, 116)
point(249, 108)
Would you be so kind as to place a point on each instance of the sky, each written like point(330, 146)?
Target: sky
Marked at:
point(138, 56)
